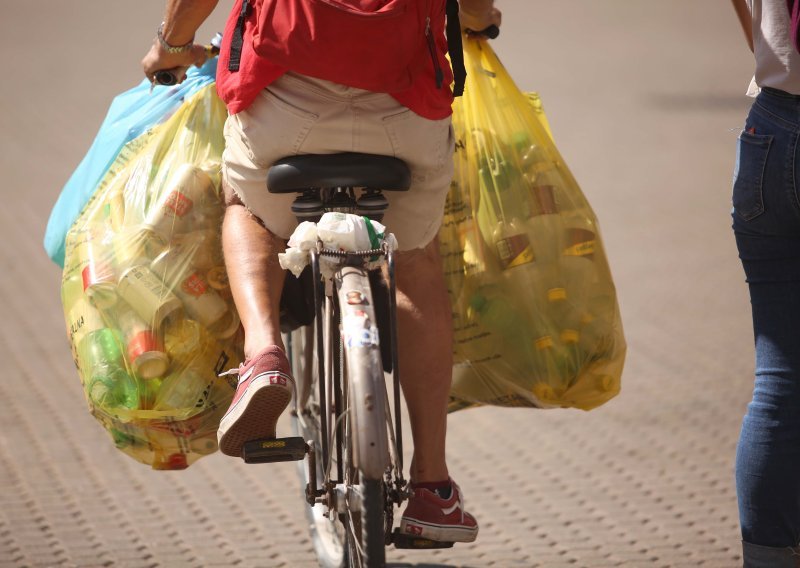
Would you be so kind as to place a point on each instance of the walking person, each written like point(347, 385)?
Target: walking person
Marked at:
point(766, 223)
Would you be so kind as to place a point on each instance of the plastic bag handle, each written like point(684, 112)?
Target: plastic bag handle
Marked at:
point(490, 33)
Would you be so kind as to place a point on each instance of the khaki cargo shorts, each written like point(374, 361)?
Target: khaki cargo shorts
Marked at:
point(303, 115)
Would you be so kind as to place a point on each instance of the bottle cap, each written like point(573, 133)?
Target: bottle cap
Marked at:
point(570, 336)
point(227, 326)
point(543, 392)
point(218, 278)
point(151, 365)
point(146, 354)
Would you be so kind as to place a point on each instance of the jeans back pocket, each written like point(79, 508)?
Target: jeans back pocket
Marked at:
point(748, 177)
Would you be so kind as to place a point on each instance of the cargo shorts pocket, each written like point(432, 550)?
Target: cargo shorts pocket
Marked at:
point(272, 127)
point(423, 143)
point(748, 178)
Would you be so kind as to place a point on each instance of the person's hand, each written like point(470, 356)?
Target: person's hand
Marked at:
point(477, 15)
point(159, 59)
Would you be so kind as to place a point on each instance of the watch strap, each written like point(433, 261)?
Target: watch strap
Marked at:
point(172, 48)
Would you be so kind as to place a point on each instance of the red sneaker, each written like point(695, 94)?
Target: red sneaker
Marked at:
point(264, 391)
point(445, 520)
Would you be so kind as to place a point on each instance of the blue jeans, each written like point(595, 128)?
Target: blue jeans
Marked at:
point(766, 222)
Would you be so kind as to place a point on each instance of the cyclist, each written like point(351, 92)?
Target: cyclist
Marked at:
point(275, 112)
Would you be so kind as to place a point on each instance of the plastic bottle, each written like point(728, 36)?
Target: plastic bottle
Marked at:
point(548, 382)
point(577, 259)
point(202, 247)
point(199, 299)
point(97, 271)
point(199, 358)
point(218, 279)
point(188, 201)
point(544, 224)
point(99, 358)
point(144, 349)
point(135, 246)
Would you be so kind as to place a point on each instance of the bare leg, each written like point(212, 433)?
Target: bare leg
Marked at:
point(426, 356)
point(256, 278)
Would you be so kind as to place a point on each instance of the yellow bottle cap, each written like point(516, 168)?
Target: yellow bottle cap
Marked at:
point(570, 336)
point(543, 392)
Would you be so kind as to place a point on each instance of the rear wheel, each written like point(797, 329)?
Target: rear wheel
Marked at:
point(327, 532)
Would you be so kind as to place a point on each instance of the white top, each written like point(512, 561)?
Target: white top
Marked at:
point(777, 61)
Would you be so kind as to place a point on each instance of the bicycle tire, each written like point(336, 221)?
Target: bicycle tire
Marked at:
point(327, 535)
point(373, 537)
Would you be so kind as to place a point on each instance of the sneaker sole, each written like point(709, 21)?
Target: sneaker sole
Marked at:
point(440, 533)
point(255, 416)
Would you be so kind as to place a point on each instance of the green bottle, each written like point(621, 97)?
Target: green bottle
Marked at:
point(106, 379)
point(99, 356)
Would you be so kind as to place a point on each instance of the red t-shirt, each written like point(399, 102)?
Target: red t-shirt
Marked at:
point(240, 88)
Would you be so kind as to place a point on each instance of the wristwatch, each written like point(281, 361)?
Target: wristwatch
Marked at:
point(172, 48)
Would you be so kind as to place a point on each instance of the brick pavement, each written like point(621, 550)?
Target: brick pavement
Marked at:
point(646, 118)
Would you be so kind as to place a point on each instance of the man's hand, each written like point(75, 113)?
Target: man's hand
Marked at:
point(477, 15)
point(158, 59)
point(182, 18)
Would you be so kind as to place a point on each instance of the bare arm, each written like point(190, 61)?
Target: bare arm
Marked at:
point(182, 18)
point(745, 19)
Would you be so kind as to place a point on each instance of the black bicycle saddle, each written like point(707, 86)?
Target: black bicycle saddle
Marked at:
point(311, 171)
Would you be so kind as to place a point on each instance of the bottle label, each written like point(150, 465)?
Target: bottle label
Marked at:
point(581, 242)
point(514, 251)
point(194, 285)
point(83, 319)
point(178, 203)
point(580, 249)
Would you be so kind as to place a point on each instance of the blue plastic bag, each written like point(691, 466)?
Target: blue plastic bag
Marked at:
point(131, 115)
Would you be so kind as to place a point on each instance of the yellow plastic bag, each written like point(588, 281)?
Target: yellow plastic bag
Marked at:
point(536, 318)
point(145, 295)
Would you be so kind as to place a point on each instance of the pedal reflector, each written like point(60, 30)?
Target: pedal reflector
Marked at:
point(274, 450)
point(402, 540)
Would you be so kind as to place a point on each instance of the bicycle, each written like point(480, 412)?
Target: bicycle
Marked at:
point(349, 432)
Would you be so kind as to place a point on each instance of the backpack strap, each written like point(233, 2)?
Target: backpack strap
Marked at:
point(237, 41)
point(455, 48)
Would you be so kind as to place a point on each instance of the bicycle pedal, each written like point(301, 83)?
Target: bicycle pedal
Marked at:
point(271, 450)
point(402, 540)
